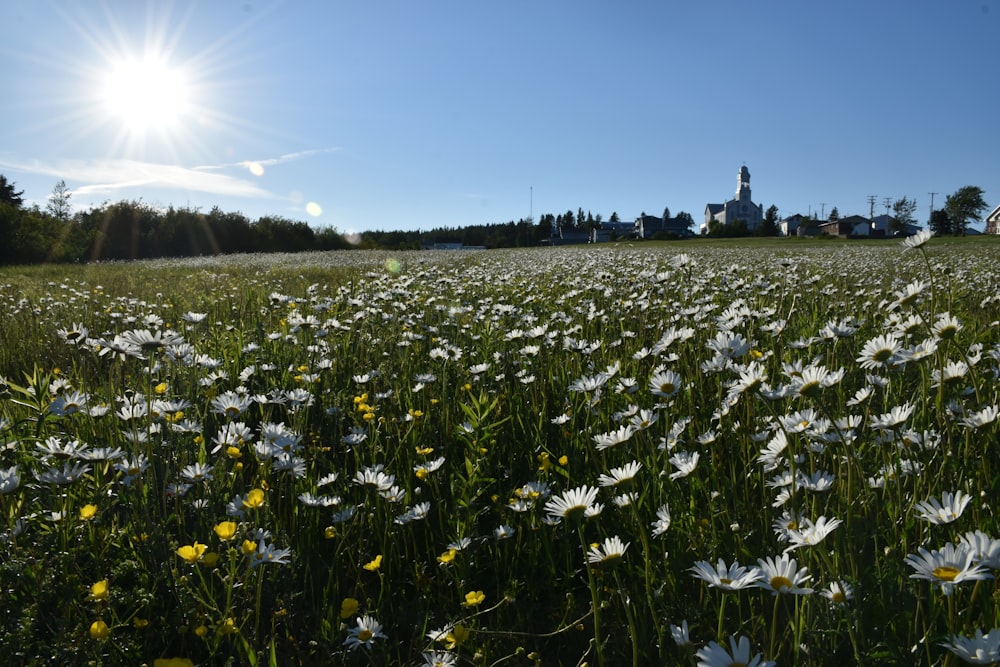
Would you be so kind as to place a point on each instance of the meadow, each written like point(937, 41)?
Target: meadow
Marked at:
point(675, 454)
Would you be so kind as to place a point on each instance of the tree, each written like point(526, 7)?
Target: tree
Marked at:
point(769, 225)
point(8, 195)
point(834, 214)
point(940, 223)
point(902, 214)
point(666, 213)
point(58, 205)
point(965, 205)
point(686, 217)
point(614, 217)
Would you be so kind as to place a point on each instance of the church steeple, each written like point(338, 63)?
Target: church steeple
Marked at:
point(743, 184)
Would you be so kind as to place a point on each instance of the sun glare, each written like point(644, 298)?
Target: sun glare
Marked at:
point(146, 94)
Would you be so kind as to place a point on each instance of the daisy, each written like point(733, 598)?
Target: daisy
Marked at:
point(949, 566)
point(626, 499)
point(230, 404)
point(879, 352)
point(987, 415)
point(69, 474)
point(729, 345)
point(952, 373)
point(365, 634)
point(751, 377)
point(985, 549)
point(811, 533)
point(503, 532)
point(818, 481)
point(662, 523)
point(620, 475)
point(860, 396)
point(893, 418)
point(945, 327)
point(665, 384)
point(643, 420)
point(814, 379)
point(685, 462)
point(198, 472)
point(979, 650)
point(612, 549)
point(572, 503)
point(680, 634)
point(949, 508)
point(375, 476)
point(439, 659)
point(838, 592)
point(9, 479)
point(731, 578)
point(68, 403)
point(268, 554)
point(782, 575)
point(917, 240)
point(714, 655)
point(910, 294)
point(605, 440)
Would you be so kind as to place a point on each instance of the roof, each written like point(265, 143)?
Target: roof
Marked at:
point(715, 208)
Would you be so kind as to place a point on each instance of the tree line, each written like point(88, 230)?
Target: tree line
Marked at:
point(128, 230)
point(133, 229)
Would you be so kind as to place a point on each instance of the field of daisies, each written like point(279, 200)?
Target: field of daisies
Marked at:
point(622, 455)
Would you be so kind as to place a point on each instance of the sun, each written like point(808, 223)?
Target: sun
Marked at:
point(146, 94)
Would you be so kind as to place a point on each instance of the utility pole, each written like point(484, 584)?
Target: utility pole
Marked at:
point(822, 210)
point(871, 206)
point(531, 214)
point(932, 209)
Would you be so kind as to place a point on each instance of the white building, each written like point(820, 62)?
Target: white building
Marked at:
point(739, 208)
point(993, 222)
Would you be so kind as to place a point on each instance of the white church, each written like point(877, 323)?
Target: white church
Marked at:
point(740, 208)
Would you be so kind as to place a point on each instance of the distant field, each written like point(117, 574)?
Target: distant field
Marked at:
point(629, 453)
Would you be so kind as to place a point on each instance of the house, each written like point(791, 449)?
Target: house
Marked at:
point(739, 208)
point(993, 222)
point(852, 225)
point(648, 226)
point(882, 226)
point(790, 225)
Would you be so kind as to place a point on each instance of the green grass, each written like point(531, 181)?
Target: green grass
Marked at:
point(431, 404)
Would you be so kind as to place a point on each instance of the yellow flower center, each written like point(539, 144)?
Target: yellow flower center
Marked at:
point(882, 355)
point(364, 635)
point(667, 387)
point(726, 581)
point(946, 572)
point(839, 597)
point(779, 583)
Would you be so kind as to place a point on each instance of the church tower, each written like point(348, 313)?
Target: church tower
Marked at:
point(743, 186)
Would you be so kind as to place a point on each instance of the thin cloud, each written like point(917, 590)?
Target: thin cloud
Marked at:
point(270, 162)
point(108, 176)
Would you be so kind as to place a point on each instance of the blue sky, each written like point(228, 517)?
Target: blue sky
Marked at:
point(423, 113)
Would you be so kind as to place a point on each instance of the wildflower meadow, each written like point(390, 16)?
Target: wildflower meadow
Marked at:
point(681, 454)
